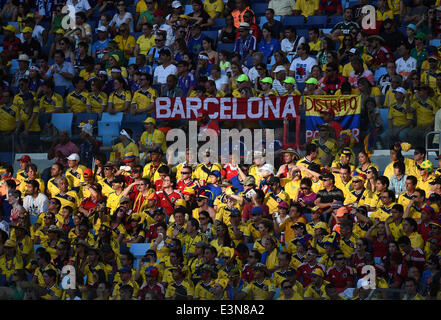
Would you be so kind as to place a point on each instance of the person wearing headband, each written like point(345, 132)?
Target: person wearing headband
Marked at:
point(126, 144)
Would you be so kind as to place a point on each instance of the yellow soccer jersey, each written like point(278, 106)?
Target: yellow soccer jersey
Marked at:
point(177, 291)
point(307, 7)
point(98, 103)
point(75, 178)
point(214, 7)
point(396, 230)
point(77, 102)
point(408, 163)
point(8, 117)
point(328, 148)
point(273, 200)
point(204, 291)
point(425, 185)
point(145, 44)
point(150, 172)
point(116, 289)
point(106, 187)
point(52, 188)
point(145, 99)
point(291, 187)
point(86, 75)
point(425, 111)
point(50, 104)
point(119, 99)
point(348, 246)
point(70, 198)
point(122, 149)
point(316, 293)
point(259, 290)
point(202, 171)
point(113, 201)
point(156, 137)
point(382, 212)
point(23, 186)
point(398, 115)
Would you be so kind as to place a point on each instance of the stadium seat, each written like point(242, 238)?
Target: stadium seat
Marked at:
point(249, 62)
point(317, 21)
point(334, 20)
point(300, 86)
point(117, 117)
point(137, 35)
point(15, 90)
point(211, 34)
point(378, 73)
point(108, 131)
point(7, 157)
point(259, 8)
point(293, 21)
point(136, 123)
point(384, 112)
point(63, 121)
point(36, 246)
point(33, 219)
point(303, 33)
point(264, 20)
point(139, 249)
point(2, 280)
point(225, 46)
point(92, 23)
point(219, 23)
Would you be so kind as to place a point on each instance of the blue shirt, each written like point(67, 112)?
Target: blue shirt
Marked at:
point(100, 48)
point(269, 49)
point(59, 80)
point(244, 46)
point(195, 46)
point(185, 83)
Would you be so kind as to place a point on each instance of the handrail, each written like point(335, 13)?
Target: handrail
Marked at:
point(427, 143)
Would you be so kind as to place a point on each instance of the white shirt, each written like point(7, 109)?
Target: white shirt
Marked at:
point(279, 87)
point(119, 21)
point(302, 68)
point(404, 67)
point(82, 5)
point(161, 74)
point(437, 126)
point(282, 7)
point(220, 82)
point(288, 46)
point(36, 206)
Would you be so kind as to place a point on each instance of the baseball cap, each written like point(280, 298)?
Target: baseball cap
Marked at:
point(60, 31)
point(102, 28)
point(74, 157)
point(290, 80)
point(180, 202)
point(318, 272)
point(118, 179)
point(152, 272)
point(400, 90)
point(115, 56)
point(437, 180)
point(10, 27)
point(243, 77)
point(244, 25)
point(340, 213)
point(279, 68)
point(27, 29)
point(436, 222)
point(87, 173)
point(157, 150)
point(311, 81)
point(189, 191)
point(184, 16)
point(10, 244)
point(328, 175)
point(150, 120)
point(353, 51)
point(346, 152)
point(283, 204)
point(116, 70)
point(25, 158)
point(267, 80)
point(420, 35)
point(216, 173)
point(176, 4)
point(248, 181)
point(413, 27)
point(267, 166)
point(299, 225)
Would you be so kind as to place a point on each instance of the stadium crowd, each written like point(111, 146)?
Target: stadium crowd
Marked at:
point(135, 227)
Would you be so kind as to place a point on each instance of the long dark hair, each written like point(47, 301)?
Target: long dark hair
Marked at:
point(434, 285)
point(227, 239)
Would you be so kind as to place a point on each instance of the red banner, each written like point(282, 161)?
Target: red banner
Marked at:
point(227, 108)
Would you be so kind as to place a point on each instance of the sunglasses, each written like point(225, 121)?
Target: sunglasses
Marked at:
point(200, 199)
point(142, 79)
point(369, 172)
point(187, 172)
point(356, 181)
point(304, 188)
point(52, 202)
point(342, 258)
point(286, 287)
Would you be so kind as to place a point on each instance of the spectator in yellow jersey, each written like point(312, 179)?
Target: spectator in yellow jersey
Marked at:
point(120, 98)
point(151, 138)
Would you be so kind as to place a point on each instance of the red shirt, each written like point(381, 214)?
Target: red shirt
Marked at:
point(417, 258)
point(397, 274)
point(357, 262)
point(331, 86)
point(11, 46)
point(380, 248)
point(210, 125)
point(163, 202)
point(89, 203)
point(181, 185)
point(229, 173)
point(424, 230)
point(304, 272)
point(341, 278)
point(247, 273)
point(337, 127)
point(158, 184)
point(381, 57)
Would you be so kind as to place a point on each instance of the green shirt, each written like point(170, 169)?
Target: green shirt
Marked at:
point(419, 56)
point(148, 16)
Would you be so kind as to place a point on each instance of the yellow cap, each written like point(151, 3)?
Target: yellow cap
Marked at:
point(184, 16)
point(10, 27)
point(116, 57)
point(181, 202)
point(321, 225)
point(27, 29)
point(150, 120)
point(60, 31)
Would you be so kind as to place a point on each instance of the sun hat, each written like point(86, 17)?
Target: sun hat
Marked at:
point(267, 80)
point(311, 81)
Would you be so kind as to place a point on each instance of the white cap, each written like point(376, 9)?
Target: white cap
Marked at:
point(400, 90)
point(244, 25)
point(116, 70)
point(438, 8)
point(34, 68)
point(74, 157)
point(102, 28)
point(176, 4)
point(267, 166)
point(353, 50)
point(279, 68)
point(103, 72)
